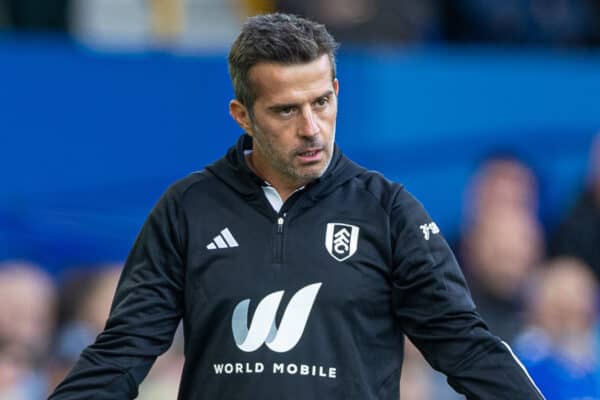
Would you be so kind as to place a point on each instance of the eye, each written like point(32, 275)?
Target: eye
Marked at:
point(322, 101)
point(286, 111)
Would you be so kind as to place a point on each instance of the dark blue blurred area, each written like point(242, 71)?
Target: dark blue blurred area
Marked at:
point(89, 140)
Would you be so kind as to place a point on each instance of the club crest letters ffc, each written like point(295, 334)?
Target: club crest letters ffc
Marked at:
point(341, 240)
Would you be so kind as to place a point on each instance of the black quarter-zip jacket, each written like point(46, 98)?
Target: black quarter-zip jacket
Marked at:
point(312, 302)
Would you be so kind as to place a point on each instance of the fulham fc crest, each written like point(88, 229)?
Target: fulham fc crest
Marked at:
point(341, 240)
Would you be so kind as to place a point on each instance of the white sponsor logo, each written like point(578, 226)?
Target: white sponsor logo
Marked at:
point(341, 240)
point(277, 368)
point(429, 229)
point(223, 240)
point(263, 328)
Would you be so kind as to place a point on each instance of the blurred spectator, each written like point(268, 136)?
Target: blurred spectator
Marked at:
point(502, 241)
point(419, 381)
point(560, 346)
point(86, 300)
point(27, 314)
point(85, 305)
point(35, 15)
point(415, 380)
point(579, 233)
point(545, 22)
point(504, 182)
point(500, 253)
point(371, 21)
point(163, 379)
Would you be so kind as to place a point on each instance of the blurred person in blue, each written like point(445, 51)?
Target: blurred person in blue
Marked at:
point(560, 346)
point(579, 233)
point(27, 315)
point(502, 240)
point(419, 381)
point(297, 272)
point(85, 296)
point(86, 299)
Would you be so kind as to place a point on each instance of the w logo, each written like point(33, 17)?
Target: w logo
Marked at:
point(341, 240)
point(263, 328)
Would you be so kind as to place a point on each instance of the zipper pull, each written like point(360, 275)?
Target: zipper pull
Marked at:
point(280, 221)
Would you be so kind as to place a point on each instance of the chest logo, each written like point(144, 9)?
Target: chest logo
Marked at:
point(263, 328)
point(341, 240)
point(223, 240)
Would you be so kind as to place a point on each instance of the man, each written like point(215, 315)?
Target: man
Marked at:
point(27, 310)
point(296, 271)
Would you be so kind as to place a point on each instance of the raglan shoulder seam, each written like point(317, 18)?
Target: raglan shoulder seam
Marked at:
point(396, 188)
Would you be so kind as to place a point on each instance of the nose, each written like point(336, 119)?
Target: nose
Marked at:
point(309, 125)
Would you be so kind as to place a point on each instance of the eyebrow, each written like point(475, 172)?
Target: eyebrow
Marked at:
point(277, 107)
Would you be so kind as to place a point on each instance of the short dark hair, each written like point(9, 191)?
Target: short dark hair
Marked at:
point(279, 38)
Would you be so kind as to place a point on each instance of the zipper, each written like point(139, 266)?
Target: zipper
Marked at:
point(279, 243)
point(279, 236)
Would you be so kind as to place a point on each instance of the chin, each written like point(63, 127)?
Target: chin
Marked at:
point(314, 174)
point(310, 172)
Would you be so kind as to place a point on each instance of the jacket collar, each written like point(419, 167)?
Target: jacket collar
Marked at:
point(233, 170)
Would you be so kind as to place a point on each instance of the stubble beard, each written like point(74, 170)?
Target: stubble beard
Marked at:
point(284, 163)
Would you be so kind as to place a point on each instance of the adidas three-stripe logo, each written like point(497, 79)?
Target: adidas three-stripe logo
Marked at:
point(224, 240)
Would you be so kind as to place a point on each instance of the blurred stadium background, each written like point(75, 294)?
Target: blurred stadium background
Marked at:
point(487, 110)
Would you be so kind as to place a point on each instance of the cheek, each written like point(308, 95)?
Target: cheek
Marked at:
point(329, 117)
point(271, 139)
point(270, 129)
point(280, 134)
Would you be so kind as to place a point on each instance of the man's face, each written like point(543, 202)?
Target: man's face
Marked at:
point(293, 121)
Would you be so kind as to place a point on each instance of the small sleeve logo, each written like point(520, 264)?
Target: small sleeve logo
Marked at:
point(429, 229)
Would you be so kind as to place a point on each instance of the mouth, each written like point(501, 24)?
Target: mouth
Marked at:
point(310, 155)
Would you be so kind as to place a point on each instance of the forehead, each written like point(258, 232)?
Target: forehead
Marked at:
point(286, 83)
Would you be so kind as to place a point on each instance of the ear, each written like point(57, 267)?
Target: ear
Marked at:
point(336, 86)
point(240, 114)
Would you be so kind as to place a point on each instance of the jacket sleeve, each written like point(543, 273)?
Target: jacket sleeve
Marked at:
point(144, 315)
point(433, 304)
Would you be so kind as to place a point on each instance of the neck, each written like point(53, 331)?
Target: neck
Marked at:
point(283, 187)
